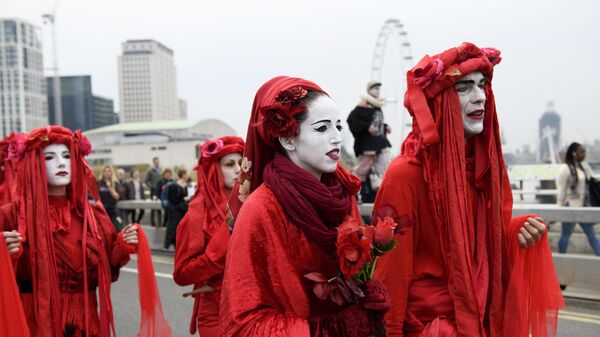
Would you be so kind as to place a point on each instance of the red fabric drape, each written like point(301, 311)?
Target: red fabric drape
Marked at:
point(470, 211)
point(152, 322)
point(97, 240)
point(12, 318)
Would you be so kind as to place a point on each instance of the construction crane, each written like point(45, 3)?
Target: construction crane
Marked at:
point(50, 19)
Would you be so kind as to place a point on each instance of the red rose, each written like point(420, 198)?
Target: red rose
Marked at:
point(290, 96)
point(427, 71)
point(492, 54)
point(211, 147)
point(85, 147)
point(278, 120)
point(17, 147)
point(353, 248)
point(384, 231)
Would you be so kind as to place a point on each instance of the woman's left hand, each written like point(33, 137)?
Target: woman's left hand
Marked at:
point(531, 232)
point(130, 235)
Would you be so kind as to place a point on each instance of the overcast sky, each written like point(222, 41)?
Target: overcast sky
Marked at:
point(224, 50)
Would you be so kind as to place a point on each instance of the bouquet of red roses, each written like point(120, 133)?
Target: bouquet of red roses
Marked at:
point(358, 248)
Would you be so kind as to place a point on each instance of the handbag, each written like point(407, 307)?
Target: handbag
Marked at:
point(594, 191)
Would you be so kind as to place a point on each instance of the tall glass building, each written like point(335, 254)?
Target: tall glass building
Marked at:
point(23, 100)
point(81, 110)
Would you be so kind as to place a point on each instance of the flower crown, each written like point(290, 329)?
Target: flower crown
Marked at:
point(20, 142)
point(211, 147)
point(278, 119)
point(434, 68)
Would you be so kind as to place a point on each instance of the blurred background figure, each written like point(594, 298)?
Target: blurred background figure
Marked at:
point(108, 185)
point(177, 194)
point(573, 190)
point(136, 191)
point(151, 179)
point(371, 145)
point(122, 189)
point(160, 194)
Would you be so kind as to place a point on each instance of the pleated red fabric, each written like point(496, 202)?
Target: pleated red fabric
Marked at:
point(153, 322)
point(12, 317)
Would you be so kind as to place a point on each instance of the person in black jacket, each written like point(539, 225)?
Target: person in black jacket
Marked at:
point(177, 193)
point(371, 145)
point(135, 191)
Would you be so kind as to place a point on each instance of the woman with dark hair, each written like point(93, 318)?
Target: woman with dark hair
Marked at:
point(294, 195)
point(178, 198)
point(573, 190)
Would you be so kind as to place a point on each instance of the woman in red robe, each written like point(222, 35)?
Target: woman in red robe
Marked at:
point(463, 266)
point(203, 234)
point(65, 250)
point(293, 195)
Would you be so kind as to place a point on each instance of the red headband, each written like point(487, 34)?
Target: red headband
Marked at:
point(433, 74)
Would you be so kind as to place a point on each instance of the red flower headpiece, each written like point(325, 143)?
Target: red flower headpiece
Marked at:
point(211, 147)
point(279, 119)
point(21, 142)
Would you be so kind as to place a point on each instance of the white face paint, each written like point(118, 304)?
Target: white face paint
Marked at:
point(471, 94)
point(317, 146)
point(231, 168)
point(58, 165)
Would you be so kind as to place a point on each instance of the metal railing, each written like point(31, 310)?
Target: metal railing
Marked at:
point(578, 272)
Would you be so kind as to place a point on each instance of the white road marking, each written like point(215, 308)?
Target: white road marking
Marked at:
point(135, 271)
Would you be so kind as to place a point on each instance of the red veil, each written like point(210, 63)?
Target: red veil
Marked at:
point(30, 199)
point(523, 294)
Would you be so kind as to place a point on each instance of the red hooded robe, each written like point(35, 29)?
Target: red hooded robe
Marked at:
point(458, 269)
point(71, 252)
point(272, 248)
point(203, 236)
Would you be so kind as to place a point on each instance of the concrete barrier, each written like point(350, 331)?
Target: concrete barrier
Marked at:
point(580, 273)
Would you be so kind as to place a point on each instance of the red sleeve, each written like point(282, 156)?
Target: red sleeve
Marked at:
point(260, 287)
point(117, 249)
point(193, 266)
point(8, 222)
point(12, 321)
point(395, 269)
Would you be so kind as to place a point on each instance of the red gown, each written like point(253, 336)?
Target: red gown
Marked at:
point(67, 232)
point(202, 268)
point(415, 271)
point(264, 289)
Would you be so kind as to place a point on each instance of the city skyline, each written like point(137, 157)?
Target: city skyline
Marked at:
point(225, 51)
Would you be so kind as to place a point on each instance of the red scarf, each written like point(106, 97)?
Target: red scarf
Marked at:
point(316, 207)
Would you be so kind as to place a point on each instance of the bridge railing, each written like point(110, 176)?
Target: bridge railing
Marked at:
point(580, 273)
